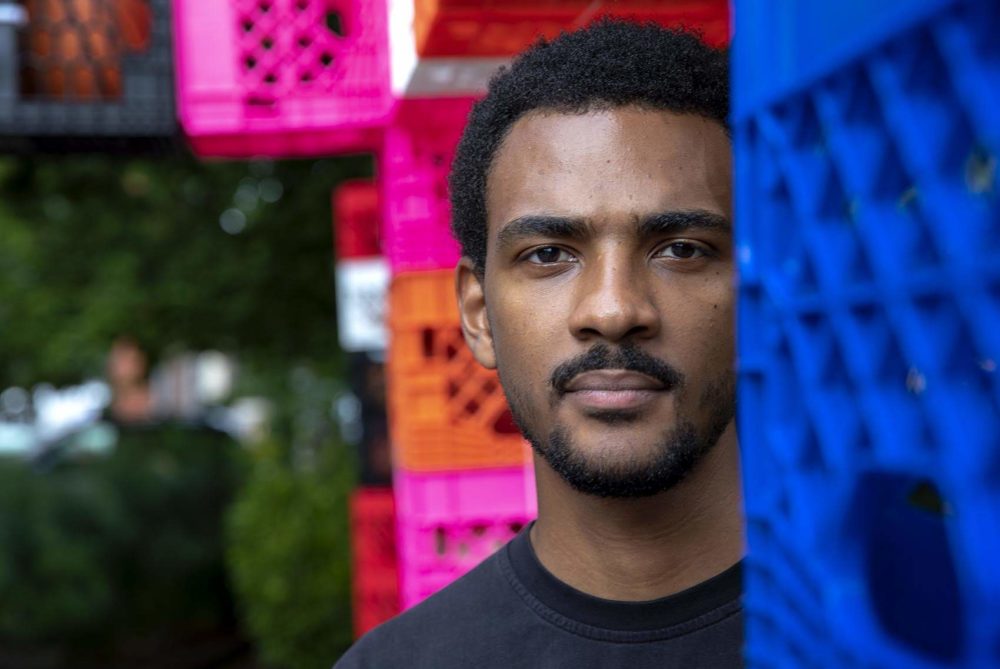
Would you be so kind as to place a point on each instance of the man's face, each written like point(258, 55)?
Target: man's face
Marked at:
point(608, 293)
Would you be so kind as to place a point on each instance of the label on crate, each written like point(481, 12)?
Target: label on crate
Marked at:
point(362, 285)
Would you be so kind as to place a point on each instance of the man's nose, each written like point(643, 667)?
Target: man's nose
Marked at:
point(614, 301)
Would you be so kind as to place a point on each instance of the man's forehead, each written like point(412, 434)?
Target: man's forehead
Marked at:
point(562, 126)
point(579, 164)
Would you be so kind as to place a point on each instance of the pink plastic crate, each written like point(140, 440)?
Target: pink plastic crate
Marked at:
point(416, 158)
point(282, 77)
point(447, 523)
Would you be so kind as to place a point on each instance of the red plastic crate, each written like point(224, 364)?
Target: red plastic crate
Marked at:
point(506, 27)
point(446, 412)
point(416, 158)
point(356, 219)
point(374, 603)
point(373, 525)
point(450, 522)
point(375, 588)
point(281, 77)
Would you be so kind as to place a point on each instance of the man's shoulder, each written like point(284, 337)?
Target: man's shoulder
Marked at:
point(453, 616)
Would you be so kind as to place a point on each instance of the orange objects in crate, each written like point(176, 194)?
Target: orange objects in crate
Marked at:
point(74, 48)
point(446, 411)
point(505, 27)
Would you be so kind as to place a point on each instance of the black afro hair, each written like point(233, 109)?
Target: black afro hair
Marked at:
point(611, 63)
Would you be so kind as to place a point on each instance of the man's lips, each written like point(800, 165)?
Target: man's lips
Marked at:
point(612, 380)
point(613, 389)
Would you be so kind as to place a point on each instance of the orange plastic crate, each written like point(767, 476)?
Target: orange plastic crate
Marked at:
point(505, 27)
point(446, 412)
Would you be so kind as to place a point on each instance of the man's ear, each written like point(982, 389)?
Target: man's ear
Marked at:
point(472, 309)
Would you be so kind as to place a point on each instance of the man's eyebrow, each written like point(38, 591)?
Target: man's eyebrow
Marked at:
point(672, 222)
point(542, 226)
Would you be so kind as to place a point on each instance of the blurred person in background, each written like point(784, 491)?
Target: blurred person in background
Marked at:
point(127, 370)
point(591, 194)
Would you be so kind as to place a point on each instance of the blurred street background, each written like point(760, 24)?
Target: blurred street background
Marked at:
point(169, 435)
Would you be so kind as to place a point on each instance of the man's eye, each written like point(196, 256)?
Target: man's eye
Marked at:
point(682, 251)
point(545, 255)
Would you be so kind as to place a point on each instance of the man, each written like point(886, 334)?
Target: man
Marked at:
point(591, 195)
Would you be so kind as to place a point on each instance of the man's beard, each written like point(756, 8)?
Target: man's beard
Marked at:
point(678, 452)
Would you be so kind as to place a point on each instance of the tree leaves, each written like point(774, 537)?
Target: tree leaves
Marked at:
point(93, 247)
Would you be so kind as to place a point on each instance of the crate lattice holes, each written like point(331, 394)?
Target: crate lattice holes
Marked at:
point(282, 77)
point(440, 553)
point(449, 522)
point(869, 345)
point(446, 411)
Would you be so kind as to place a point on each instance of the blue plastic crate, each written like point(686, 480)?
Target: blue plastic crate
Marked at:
point(783, 45)
point(867, 140)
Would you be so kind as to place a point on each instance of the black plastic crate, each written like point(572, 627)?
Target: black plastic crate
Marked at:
point(86, 75)
point(367, 383)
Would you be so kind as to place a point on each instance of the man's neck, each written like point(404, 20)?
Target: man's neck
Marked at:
point(642, 549)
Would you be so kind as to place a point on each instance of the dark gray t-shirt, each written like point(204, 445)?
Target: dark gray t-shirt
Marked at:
point(510, 612)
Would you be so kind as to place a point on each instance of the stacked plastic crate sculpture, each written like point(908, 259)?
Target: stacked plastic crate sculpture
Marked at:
point(868, 208)
point(361, 282)
point(362, 279)
point(462, 478)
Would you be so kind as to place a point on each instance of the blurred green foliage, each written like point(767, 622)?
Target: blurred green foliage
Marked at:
point(288, 542)
point(288, 553)
point(98, 552)
point(92, 247)
point(54, 582)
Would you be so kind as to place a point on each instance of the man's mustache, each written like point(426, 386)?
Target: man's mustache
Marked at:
point(627, 356)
